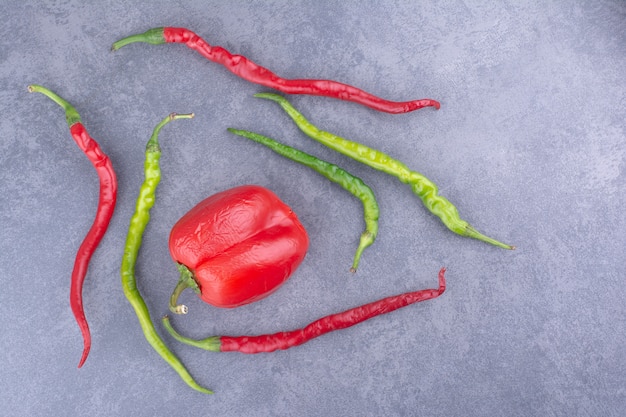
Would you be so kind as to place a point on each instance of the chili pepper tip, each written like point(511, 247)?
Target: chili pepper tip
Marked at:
point(84, 356)
point(442, 280)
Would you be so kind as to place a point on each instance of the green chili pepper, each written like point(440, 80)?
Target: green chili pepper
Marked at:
point(138, 224)
point(421, 186)
point(349, 182)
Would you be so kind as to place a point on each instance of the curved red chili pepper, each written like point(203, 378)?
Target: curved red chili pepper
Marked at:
point(104, 212)
point(286, 340)
point(250, 71)
point(106, 207)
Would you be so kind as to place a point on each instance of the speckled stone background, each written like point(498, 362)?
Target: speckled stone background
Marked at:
point(529, 144)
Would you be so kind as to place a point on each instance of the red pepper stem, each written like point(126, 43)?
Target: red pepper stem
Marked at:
point(185, 281)
point(211, 343)
point(151, 36)
point(71, 115)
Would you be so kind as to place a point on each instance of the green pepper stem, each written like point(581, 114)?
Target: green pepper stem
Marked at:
point(136, 229)
point(211, 343)
point(71, 114)
point(185, 281)
point(151, 36)
point(153, 143)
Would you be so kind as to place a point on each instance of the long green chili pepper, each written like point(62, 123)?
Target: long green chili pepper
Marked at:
point(349, 182)
point(138, 224)
point(424, 188)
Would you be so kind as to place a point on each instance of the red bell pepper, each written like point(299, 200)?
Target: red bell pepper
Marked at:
point(236, 247)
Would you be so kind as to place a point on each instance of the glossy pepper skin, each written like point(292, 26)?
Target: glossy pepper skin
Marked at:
point(236, 247)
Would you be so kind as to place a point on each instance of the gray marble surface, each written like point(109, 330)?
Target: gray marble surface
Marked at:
point(529, 144)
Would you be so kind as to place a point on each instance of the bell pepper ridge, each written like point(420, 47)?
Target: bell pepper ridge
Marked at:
point(236, 247)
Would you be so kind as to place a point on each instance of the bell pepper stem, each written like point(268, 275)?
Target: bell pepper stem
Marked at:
point(185, 281)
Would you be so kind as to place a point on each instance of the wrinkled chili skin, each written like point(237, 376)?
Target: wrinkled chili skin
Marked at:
point(349, 182)
point(286, 340)
point(423, 187)
point(240, 245)
point(104, 212)
point(106, 207)
point(250, 71)
point(138, 223)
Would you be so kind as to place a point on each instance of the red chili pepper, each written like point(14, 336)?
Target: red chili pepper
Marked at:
point(250, 71)
point(106, 206)
point(286, 340)
point(236, 247)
